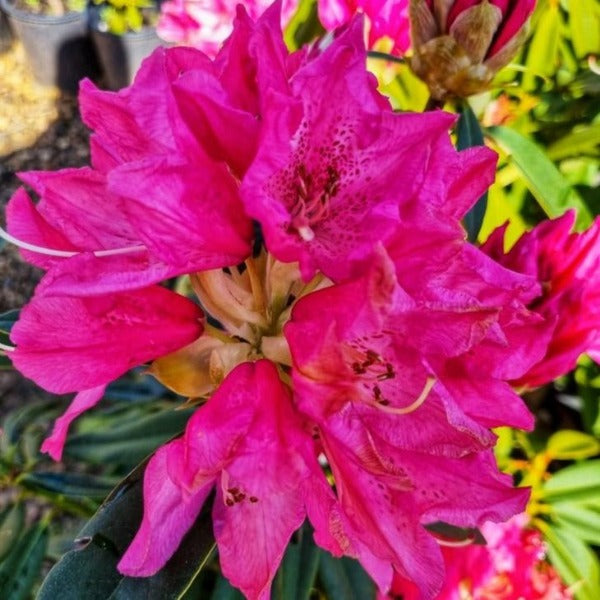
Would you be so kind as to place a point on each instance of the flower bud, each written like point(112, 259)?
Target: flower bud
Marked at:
point(459, 45)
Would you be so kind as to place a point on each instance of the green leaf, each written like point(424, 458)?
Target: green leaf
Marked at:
point(12, 519)
point(552, 191)
point(542, 56)
point(296, 576)
point(304, 26)
point(584, 19)
point(20, 568)
point(574, 560)
point(8, 319)
point(78, 485)
point(584, 140)
point(225, 591)
point(580, 519)
point(579, 482)
point(469, 134)
point(130, 443)
point(344, 578)
point(89, 572)
point(570, 444)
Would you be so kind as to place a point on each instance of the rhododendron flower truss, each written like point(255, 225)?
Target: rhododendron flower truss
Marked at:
point(567, 265)
point(510, 566)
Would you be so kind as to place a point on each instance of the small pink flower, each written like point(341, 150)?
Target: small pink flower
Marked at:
point(385, 19)
point(511, 566)
point(205, 24)
point(567, 265)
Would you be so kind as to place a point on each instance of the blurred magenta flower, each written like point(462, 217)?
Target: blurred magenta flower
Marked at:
point(459, 45)
point(385, 19)
point(511, 566)
point(567, 265)
point(205, 24)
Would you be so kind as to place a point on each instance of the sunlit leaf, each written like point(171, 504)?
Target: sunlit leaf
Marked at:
point(569, 444)
point(552, 191)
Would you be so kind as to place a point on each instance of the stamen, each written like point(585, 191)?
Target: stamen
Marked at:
point(67, 253)
point(6, 348)
point(411, 407)
point(455, 543)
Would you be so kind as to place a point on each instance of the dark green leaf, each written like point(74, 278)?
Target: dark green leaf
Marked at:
point(12, 519)
point(89, 572)
point(469, 134)
point(21, 567)
point(225, 591)
point(296, 576)
point(456, 534)
point(69, 484)
point(552, 191)
point(344, 578)
point(130, 443)
point(8, 319)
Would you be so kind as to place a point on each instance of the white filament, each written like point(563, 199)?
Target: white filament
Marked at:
point(6, 348)
point(454, 543)
point(414, 405)
point(67, 253)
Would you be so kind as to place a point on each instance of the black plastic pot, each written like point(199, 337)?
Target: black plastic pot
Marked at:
point(121, 55)
point(58, 48)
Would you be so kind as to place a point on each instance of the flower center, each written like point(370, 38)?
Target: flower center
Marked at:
point(312, 198)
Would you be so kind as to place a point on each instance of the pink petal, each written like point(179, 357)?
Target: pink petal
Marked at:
point(76, 202)
point(25, 223)
point(170, 200)
point(512, 23)
point(54, 444)
point(168, 514)
point(66, 343)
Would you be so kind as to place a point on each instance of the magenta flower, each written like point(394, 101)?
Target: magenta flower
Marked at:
point(373, 369)
point(567, 266)
point(249, 444)
point(511, 566)
point(71, 344)
point(385, 19)
point(337, 172)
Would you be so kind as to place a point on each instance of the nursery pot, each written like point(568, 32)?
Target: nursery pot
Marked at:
point(5, 32)
point(121, 55)
point(58, 48)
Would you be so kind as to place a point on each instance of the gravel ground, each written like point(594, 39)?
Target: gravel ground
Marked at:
point(40, 129)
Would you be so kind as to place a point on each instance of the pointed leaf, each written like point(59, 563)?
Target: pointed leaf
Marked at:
point(20, 569)
point(552, 191)
point(469, 134)
point(92, 566)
